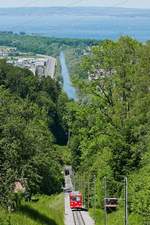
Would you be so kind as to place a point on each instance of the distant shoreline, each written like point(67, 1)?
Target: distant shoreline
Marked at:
point(38, 35)
point(74, 7)
point(92, 23)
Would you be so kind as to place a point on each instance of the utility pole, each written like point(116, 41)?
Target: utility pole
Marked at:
point(95, 198)
point(105, 188)
point(84, 191)
point(126, 200)
point(74, 185)
point(88, 204)
point(81, 183)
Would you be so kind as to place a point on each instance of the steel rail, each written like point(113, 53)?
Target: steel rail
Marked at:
point(81, 216)
point(74, 219)
point(78, 218)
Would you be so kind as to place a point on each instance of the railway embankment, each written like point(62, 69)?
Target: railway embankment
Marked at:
point(74, 217)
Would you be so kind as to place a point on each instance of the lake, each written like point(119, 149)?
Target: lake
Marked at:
point(97, 23)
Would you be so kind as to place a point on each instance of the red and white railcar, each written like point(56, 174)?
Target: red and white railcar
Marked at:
point(76, 200)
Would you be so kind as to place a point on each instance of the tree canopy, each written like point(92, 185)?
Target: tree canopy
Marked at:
point(109, 125)
point(31, 127)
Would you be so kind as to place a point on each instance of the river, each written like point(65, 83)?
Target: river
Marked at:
point(67, 85)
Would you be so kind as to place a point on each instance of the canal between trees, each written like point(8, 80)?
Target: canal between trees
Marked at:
point(67, 85)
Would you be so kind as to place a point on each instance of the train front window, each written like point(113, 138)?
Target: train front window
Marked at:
point(75, 199)
point(78, 199)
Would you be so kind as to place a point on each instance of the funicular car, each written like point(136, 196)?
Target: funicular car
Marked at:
point(76, 200)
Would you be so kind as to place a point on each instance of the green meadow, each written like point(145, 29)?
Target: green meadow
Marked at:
point(45, 211)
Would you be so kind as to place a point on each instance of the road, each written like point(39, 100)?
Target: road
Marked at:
point(51, 67)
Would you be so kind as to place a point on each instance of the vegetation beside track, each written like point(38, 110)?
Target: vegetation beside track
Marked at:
point(109, 133)
point(109, 126)
point(116, 218)
point(46, 211)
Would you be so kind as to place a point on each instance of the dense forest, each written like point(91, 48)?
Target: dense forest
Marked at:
point(32, 127)
point(109, 125)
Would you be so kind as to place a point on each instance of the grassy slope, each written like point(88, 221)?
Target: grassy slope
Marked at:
point(47, 211)
point(116, 218)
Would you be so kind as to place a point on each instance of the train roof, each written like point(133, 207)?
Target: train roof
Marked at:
point(75, 193)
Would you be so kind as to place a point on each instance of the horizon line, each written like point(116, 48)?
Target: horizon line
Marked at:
point(60, 6)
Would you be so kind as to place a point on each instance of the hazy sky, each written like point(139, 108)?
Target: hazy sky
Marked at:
point(110, 3)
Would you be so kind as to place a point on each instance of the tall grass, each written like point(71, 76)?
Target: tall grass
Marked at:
point(115, 218)
point(46, 211)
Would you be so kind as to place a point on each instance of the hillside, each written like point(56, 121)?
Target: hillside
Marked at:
point(46, 210)
point(109, 128)
point(41, 45)
point(31, 115)
point(106, 132)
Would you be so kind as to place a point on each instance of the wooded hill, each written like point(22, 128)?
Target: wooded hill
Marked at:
point(109, 126)
point(42, 45)
point(31, 127)
point(109, 131)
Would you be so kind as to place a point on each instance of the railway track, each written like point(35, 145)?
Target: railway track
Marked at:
point(78, 218)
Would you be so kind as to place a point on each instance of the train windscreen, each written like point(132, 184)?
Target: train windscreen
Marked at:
point(75, 198)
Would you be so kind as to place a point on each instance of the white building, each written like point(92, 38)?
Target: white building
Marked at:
point(42, 66)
